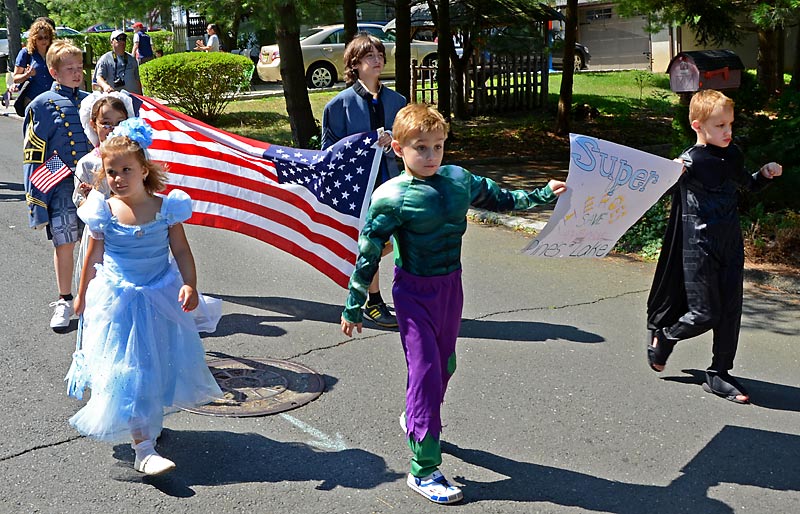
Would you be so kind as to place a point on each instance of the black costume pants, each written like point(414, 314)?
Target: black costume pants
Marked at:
point(713, 282)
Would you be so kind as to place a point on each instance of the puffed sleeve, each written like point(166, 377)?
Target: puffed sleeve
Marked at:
point(178, 207)
point(95, 213)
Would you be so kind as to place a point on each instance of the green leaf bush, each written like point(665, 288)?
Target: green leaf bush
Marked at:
point(96, 44)
point(201, 84)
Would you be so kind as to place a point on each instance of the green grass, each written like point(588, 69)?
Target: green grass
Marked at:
point(266, 119)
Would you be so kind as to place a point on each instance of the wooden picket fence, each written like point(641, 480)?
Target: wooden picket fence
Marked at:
point(492, 83)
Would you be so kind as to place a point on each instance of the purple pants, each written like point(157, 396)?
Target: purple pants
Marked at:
point(428, 313)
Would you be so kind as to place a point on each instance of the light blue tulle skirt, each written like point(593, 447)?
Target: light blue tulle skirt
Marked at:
point(144, 357)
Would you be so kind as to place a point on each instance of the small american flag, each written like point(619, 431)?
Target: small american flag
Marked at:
point(51, 172)
point(309, 203)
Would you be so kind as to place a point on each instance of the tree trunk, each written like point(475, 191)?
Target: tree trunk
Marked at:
point(295, 91)
point(236, 19)
point(766, 62)
point(445, 46)
point(795, 83)
point(568, 69)
point(780, 56)
point(402, 57)
point(14, 31)
point(350, 14)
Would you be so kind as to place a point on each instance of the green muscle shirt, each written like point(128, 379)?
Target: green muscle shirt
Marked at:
point(427, 219)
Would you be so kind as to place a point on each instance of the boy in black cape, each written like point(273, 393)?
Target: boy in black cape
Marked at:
point(698, 281)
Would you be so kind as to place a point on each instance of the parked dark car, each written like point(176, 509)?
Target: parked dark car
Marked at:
point(582, 57)
point(100, 27)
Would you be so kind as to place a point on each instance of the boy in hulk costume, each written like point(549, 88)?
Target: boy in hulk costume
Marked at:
point(425, 209)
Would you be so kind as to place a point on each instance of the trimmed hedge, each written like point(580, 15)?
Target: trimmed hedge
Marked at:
point(99, 43)
point(200, 83)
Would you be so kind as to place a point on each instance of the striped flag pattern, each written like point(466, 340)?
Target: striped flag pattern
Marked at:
point(309, 203)
point(51, 172)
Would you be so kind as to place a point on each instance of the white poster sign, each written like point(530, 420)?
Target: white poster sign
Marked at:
point(609, 187)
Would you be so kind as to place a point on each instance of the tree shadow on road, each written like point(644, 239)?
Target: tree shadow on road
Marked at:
point(771, 310)
point(214, 458)
point(293, 310)
point(736, 455)
point(12, 186)
point(768, 395)
point(525, 331)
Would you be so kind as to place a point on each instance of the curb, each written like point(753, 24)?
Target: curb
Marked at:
point(782, 282)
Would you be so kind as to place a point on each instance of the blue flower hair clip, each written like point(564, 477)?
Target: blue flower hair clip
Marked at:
point(135, 129)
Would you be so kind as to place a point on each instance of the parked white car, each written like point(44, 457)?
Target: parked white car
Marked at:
point(3, 41)
point(61, 31)
point(323, 54)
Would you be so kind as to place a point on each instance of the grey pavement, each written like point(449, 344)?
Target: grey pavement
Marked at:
point(553, 408)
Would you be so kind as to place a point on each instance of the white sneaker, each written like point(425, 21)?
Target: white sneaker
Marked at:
point(62, 312)
point(435, 487)
point(153, 464)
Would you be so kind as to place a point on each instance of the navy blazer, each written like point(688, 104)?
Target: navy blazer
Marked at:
point(348, 113)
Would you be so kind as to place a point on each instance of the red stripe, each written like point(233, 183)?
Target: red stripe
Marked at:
point(266, 188)
point(270, 214)
point(45, 181)
point(166, 112)
point(211, 220)
point(190, 149)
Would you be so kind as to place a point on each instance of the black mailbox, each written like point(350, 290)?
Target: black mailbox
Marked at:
point(705, 69)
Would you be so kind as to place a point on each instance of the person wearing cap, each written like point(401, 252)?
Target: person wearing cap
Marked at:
point(117, 70)
point(142, 46)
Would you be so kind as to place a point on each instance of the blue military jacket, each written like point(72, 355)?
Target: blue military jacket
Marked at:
point(51, 126)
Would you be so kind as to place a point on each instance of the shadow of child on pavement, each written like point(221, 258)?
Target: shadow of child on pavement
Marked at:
point(768, 395)
point(736, 455)
point(213, 458)
point(297, 310)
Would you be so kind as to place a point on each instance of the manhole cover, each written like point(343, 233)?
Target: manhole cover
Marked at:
point(258, 387)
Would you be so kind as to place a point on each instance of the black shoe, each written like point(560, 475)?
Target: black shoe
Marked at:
point(380, 315)
point(724, 385)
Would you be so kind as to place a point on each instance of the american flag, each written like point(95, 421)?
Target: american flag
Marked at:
point(51, 172)
point(309, 203)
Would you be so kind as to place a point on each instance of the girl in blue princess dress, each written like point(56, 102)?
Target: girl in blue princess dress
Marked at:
point(139, 342)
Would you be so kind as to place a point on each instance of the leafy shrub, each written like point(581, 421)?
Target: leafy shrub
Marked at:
point(772, 236)
point(201, 84)
point(773, 137)
point(99, 43)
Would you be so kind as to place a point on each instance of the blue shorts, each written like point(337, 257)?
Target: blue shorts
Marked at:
point(65, 226)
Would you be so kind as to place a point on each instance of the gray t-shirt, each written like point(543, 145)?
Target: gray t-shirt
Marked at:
point(111, 67)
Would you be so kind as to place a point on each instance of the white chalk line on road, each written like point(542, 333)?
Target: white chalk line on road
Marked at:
point(321, 439)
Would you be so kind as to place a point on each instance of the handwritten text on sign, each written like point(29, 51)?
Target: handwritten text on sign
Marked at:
point(609, 187)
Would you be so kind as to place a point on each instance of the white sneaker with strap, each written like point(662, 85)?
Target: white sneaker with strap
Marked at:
point(435, 487)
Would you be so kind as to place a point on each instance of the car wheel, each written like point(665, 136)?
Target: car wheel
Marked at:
point(321, 75)
point(578, 61)
point(431, 61)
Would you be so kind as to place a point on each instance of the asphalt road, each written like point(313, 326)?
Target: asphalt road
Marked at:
point(553, 408)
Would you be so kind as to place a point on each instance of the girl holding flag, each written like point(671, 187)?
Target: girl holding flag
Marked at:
point(140, 344)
